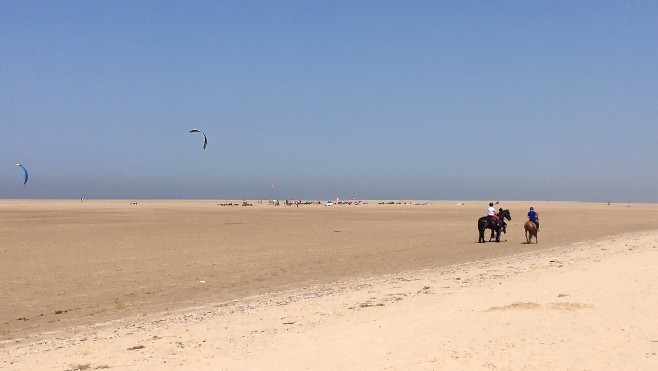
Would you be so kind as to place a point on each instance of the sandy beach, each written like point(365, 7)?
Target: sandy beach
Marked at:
point(196, 285)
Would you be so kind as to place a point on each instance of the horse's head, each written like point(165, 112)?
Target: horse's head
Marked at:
point(505, 215)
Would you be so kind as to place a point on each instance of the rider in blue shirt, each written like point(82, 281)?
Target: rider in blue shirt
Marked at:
point(533, 216)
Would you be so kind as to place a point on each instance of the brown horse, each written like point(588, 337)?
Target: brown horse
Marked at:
point(530, 231)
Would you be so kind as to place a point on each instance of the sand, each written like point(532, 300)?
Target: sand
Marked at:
point(195, 285)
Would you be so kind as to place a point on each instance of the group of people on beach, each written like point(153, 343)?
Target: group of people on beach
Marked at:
point(492, 214)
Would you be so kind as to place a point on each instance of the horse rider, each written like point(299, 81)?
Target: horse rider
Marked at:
point(533, 216)
point(492, 215)
point(500, 212)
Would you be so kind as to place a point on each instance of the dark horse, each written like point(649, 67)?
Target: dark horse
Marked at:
point(496, 227)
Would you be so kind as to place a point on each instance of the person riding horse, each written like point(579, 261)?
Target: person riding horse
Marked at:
point(533, 216)
point(491, 213)
point(500, 213)
point(494, 216)
point(493, 221)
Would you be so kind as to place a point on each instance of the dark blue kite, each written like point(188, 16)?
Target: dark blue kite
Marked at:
point(205, 140)
point(24, 171)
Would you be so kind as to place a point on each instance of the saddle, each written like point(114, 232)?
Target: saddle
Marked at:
point(493, 222)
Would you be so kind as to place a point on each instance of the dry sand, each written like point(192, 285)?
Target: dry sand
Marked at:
point(195, 285)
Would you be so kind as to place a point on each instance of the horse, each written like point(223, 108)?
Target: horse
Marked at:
point(496, 227)
point(530, 231)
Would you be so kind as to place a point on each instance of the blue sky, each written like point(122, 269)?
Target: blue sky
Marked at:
point(510, 100)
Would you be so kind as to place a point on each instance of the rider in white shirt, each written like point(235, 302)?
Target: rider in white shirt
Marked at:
point(492, 214)
point(491, 211)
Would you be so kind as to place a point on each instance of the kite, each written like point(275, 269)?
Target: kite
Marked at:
point(205, 140)
point(24, 171)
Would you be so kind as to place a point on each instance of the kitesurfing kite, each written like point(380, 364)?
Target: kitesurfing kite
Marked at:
point(24, 171)
point(205, 140)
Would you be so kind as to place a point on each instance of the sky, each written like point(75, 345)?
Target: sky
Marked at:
point(439, 100)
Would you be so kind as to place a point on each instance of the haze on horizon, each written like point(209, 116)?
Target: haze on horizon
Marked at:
point(468, 100)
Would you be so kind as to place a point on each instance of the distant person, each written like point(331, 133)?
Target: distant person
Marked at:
point(491, 212)
point(533, 216)
point(500, 211)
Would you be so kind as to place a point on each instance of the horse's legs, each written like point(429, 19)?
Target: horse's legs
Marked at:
point(527, 240)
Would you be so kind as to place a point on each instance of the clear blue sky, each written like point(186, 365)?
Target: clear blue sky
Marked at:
point(456, 100)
